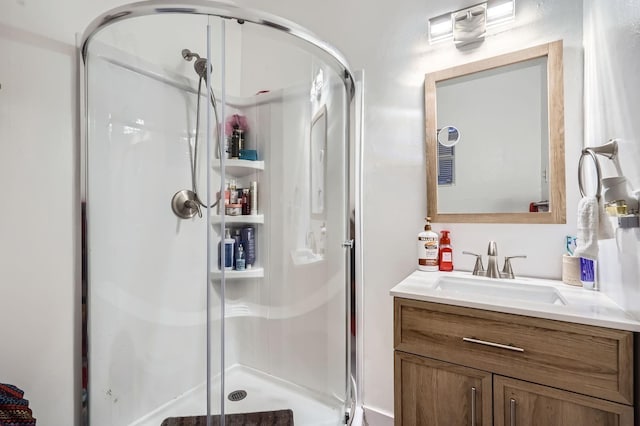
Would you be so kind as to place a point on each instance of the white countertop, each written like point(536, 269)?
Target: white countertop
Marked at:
point(578, 305)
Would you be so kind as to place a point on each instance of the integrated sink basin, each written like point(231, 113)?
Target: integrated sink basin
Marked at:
point(485, 289)
point(531, 297)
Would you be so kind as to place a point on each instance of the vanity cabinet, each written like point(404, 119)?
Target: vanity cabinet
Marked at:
point(552, 370)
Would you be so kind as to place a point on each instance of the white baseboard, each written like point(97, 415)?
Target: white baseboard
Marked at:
point(373, 417)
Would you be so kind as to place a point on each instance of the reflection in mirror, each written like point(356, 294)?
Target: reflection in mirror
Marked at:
point(511, 142)
point(448, 136)
point(509, 167)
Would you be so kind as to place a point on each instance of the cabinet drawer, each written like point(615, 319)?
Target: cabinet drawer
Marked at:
point(585, 359)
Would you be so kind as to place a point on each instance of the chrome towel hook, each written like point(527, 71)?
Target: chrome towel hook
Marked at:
point(609, 150)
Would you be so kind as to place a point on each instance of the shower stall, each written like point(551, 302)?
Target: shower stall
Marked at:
point(219, 182)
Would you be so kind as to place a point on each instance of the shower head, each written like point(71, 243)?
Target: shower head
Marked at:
point(201, 67)
point(189, 55)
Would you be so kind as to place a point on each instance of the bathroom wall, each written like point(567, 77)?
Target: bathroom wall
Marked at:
point(612, 67)
point(39, 222)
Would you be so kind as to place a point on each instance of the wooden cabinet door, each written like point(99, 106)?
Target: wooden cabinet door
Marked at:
point(436, 393)
point(519, 403)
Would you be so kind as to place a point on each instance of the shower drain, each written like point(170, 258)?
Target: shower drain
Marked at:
point(237, 395)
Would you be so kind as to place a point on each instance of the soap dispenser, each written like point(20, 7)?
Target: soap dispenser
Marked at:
point(428, 249)
point(446, 252)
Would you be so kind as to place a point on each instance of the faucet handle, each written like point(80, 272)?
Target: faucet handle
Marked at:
point(507, 270)
point(478, 269)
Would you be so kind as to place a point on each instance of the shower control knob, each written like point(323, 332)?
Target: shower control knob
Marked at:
point(185, 205)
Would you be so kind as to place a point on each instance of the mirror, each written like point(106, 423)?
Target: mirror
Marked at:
point(509, 165)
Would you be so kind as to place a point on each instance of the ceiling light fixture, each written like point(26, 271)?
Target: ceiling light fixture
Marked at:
point(469, 25)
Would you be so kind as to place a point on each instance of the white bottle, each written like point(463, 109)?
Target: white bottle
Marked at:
point(227, 245)
point(428, 249)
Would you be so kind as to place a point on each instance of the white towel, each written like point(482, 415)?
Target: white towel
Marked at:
point(593, 225)
point(588, 218)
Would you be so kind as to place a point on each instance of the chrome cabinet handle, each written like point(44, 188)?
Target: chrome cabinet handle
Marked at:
point(473, 406)
point(512, 412)
point(495, 345)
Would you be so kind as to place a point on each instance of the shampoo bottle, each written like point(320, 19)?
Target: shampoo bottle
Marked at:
point(446, 252)
point(428, 249)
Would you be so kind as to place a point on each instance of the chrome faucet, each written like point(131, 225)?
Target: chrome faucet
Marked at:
point(492, 267)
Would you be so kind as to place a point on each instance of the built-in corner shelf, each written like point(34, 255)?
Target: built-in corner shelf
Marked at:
point(255, 272)
point(239, 168)
point(240, 219)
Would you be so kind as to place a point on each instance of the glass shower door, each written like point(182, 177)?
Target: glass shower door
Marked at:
point(286, 324)
point(147, 267)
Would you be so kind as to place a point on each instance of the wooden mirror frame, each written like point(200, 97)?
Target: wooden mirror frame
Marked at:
point(555, 96)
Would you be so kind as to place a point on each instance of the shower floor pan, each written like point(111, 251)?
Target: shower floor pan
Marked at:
point(264, 393)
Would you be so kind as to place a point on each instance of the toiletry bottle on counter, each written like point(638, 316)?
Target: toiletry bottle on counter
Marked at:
point(446, 252)
point(428, 249)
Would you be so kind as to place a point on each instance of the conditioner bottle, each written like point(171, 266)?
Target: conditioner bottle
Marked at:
point(446, 252)
point(428, 249)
